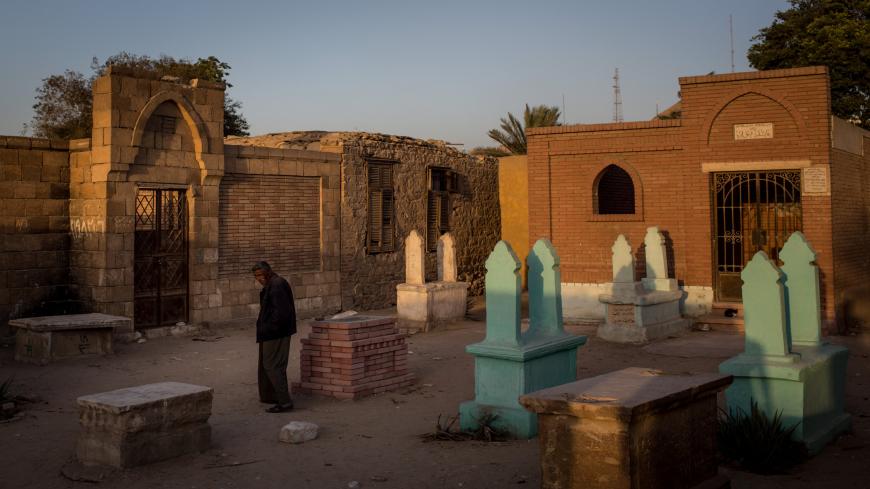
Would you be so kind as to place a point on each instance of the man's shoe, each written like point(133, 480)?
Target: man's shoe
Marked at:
point(280, 408)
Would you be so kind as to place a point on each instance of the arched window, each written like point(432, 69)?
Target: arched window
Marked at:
point(614, 192)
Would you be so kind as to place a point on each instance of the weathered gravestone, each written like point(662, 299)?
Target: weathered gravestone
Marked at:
point(143, 424)
point(422, 305)
point(509, 363)
point(634, 428)
point(637, 312)
point(785, 367)
point(46, 339)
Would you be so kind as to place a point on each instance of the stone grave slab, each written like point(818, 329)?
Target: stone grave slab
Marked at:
point(634, 428)
point(143, 424)
point(46, 339)
point(353, 357)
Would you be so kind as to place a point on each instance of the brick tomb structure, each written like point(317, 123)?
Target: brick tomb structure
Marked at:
point(353, 357)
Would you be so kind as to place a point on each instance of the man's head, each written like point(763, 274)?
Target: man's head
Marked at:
point(262, 272)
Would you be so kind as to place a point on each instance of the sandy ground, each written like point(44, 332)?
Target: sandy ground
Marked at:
point(373, 441)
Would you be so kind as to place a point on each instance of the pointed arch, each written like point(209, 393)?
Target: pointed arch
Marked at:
point(190, 116)
point(731, 97)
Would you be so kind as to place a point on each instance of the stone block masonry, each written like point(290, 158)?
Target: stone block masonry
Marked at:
point(144, 424)
point(353, 358)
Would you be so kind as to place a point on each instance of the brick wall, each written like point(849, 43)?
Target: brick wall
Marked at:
point(269, 217)
point(850, 201)
point(672, 160)
point(278, 205)
point(34, 226)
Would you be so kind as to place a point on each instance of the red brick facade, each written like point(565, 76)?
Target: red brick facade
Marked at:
point(671, 163)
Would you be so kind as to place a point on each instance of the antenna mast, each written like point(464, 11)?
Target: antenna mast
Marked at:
point(617, 98)
point(731, 31)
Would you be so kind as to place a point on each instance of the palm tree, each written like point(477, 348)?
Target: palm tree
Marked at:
point(512, 135)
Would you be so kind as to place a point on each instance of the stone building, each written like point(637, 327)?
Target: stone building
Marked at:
point(753, 157)
point(156, 218)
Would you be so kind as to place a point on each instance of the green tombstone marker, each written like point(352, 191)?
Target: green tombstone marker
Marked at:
point(508, 364)
point(766, 331)
point(803, 301)
point(785, 367)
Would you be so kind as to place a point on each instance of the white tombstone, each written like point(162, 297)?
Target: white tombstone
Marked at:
point(415, 260)
point(657, 262)
point(447, 269)
point(624, 282)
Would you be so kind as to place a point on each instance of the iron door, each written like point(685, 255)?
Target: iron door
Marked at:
point(753, 211)
point(160, 272)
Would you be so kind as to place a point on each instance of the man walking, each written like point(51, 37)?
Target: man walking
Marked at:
point(275, 325)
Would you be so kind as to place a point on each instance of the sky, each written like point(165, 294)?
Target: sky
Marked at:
point(431, 69)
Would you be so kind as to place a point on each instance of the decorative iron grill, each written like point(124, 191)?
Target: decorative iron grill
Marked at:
point(754, 211)
point(160, 265)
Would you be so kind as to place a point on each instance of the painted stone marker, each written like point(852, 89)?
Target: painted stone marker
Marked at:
point(656, 254)
point(144, 424)
point(446, 257)
point(634, 428)
point(638, 312)
point(420, 305)
point(415, 260)
point(509, 363)
point(785, 367)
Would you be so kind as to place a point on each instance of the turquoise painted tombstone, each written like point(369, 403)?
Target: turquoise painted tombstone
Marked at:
point(785, 367)
point(509, 363)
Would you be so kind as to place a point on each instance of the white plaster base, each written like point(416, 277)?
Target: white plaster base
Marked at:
point(580, 301)
point(424, 305)
point(632, 333)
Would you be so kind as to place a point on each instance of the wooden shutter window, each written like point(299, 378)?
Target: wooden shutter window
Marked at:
point(381, 228)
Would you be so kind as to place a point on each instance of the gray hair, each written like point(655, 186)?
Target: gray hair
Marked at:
point(261, 265)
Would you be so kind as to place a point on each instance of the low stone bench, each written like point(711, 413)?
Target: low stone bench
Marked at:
point(144, 424)
point(634, 428)
point(44, 339)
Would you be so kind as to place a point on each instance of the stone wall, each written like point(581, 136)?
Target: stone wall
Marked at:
point(34, 226)
point(369, 280)
point(513, 198)
point(278, 205)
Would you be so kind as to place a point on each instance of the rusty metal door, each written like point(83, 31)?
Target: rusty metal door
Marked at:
point(752, 211)
point(160, 271)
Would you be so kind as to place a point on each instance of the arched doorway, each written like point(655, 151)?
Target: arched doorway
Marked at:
point(753, 211)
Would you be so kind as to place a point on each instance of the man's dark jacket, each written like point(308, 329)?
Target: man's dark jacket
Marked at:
point(277, 317)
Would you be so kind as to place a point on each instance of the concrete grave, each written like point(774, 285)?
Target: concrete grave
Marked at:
point(45, 339)
point(509, 363)
point(422, 305)
point(353, 357)
point(785, 367)
point(634, 428)
point(637, 312)
point(144, 424)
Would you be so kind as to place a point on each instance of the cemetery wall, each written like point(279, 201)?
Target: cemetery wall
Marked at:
point(368, 280)
point(279, 205)
point(850, 191)
point(34, 227)
point(671, 163)
point(513, 199)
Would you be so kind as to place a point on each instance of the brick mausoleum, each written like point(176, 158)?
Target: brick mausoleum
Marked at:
point(751, 158)
point(157, 218)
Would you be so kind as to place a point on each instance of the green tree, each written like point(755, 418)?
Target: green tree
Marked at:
point(63, 102)
point(512, 135)
point(834, 33)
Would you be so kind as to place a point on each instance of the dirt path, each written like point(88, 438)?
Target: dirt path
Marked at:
point(373, 441)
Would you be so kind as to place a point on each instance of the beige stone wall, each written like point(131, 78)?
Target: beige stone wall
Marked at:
point(123, 157)
point(34, 222)
point(513, 197)
point(278, 172)
point(369, 280)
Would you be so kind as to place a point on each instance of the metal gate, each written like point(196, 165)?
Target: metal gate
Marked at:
point(160, 271)
point(753, 211)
